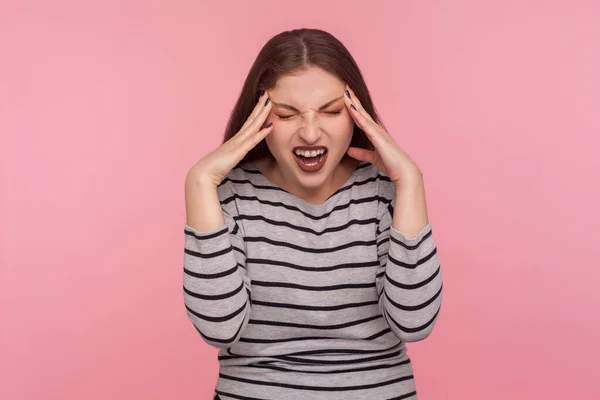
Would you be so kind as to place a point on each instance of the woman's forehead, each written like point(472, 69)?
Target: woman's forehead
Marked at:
point(313, 84)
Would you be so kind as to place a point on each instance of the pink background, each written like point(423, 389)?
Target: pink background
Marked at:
point(104, 106)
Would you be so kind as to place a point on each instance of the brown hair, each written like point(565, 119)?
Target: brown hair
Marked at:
point(292, 51)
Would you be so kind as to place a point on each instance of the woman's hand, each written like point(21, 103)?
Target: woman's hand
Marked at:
point(214, 166)
point(387, 156)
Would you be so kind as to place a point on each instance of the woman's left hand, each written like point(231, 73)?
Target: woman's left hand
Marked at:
point(387, 156)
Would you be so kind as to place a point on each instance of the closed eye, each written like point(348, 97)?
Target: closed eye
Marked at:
point(326, 112)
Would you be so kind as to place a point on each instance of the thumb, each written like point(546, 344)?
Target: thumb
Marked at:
point(361, 154)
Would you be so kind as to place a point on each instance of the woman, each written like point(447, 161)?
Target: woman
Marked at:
point(309, 257)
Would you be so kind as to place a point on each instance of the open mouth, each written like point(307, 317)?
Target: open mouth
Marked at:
point(311, 160)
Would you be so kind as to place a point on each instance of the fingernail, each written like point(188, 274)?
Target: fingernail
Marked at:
point(267, 102)
point(352, 105)
point(348, 93)
point(268, 126)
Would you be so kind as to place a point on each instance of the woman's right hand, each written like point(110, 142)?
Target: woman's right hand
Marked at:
point(214, 166)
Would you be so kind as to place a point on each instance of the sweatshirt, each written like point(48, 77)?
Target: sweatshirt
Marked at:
point(310, 301)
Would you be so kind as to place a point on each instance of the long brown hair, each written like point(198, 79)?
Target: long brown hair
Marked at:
point(292, 51)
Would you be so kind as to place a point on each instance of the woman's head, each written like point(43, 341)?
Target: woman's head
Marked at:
point(303, 70)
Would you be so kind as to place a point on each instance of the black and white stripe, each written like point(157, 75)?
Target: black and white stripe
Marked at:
point(303, 299)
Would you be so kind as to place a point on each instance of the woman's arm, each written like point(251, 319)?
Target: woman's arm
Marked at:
point(409, 281)
point(216, 286)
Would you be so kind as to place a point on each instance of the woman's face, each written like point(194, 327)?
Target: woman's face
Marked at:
point(309, 111)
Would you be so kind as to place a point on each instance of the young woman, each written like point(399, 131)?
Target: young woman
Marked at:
point(309, 257)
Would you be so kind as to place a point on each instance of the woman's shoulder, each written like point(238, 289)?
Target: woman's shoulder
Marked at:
point(242, 175)
point(368, 173)
point(238, 175)
point(385, 188)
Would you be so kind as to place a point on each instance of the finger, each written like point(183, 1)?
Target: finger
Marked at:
point(257, 109)
point(260, 118)
point(365, 124)
point(361, 154)
point(372, 129)
point(356, 101)
point(252, 140)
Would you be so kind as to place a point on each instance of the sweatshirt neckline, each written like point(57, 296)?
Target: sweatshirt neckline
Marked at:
point(297, 201)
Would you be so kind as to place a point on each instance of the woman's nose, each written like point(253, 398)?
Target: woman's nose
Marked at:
point(309, 117)
point(310, 131)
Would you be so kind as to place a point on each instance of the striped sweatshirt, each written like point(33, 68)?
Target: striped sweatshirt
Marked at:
point(310, 301)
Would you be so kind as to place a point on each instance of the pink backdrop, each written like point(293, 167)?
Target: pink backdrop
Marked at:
point(105, 106)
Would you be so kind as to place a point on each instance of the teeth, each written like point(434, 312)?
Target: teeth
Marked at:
point(310, 165)
point(313, 153)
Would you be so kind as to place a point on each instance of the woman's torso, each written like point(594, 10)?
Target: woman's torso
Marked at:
point(315, 328)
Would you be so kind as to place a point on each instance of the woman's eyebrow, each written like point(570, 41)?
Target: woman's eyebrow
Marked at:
point(324, 106)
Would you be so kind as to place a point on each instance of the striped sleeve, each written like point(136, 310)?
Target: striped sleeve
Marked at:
point(216, 286)
point(410, 287)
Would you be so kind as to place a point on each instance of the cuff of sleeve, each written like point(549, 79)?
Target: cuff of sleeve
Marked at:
point(410, 241)
point(213, 235)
